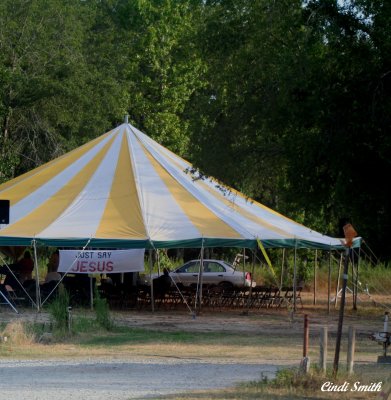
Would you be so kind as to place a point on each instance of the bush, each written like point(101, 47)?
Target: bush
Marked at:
point(58, 310)
point(102, 312)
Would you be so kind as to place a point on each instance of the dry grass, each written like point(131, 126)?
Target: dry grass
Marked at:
point(16, 334)
point(264, 336)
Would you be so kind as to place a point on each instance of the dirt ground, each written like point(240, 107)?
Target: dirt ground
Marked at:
point(281, 322)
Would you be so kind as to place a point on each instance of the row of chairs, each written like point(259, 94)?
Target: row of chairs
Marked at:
point(257, 297)
point(218, 297)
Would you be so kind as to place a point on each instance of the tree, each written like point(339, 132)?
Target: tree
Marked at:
point(47, 86)
point(296, 108)
point(155, 60)
point(340, 117)
point(238, 131)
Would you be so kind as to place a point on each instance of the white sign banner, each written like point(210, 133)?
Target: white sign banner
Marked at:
point(101, 261)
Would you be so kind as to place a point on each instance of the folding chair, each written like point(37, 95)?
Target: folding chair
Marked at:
point(5, 298)
point(17, 300)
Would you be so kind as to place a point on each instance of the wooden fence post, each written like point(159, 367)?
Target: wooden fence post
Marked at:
point(305, 364)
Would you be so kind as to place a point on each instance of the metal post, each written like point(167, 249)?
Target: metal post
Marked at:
point(91, 293)
point(385, 326)
point(305, 364)
point(341, 312)
point(37, 287)
point(355, 281)
point(151, 280)
point(306, 336)
point(69, 319)
point(294, 278)
point(201, 276)
point(250, 292)
point(329, 285)
point(315, 265)
point(351, 348)
point(385, 330)
point(282, 268)
point(323, 349)
point(338, 279)
point(7, 301)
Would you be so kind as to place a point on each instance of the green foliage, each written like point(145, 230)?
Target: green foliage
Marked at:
point(58, 310)
point(102, 312)
point(287, 101)
point(298, 97)
point(164, 261)
point(83, 324)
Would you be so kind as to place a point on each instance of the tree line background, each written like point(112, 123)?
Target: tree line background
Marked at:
point(288, 101)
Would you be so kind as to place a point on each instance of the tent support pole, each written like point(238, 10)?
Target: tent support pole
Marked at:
point(250, 292)
point(37, 287)
point(7, 301)
point(338, 279)
point(201, 275)
point(355, 282)
point(150, 276)
point(329, 284)
point(282, 268)
point(294, 277)
point(315, 268)
point(91, 294)
point(198, 295)
point(244, 272)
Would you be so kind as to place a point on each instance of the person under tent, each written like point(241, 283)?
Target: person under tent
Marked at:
point(162, 284)
point(52, 266)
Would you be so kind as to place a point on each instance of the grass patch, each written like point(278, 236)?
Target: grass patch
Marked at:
point(289, 384)
point(294, 384)
point(125, 336)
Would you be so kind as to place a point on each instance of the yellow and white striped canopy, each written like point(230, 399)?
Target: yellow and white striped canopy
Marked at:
point(124, 190)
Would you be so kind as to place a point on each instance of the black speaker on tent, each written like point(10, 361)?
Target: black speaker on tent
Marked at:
point(4, 211)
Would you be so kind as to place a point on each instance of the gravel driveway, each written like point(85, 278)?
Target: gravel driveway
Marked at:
point(118, 380)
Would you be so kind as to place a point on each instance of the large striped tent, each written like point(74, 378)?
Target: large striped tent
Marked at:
point(124, 190)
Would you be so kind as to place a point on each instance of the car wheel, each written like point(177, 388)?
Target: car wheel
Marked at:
point(226, 285)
